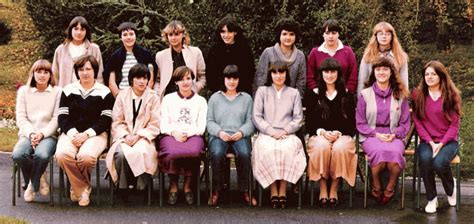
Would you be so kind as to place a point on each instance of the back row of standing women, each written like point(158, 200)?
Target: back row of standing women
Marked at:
point(281, 78)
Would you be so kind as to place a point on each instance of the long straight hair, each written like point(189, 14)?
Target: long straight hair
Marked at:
point(450, 94)
point(371, 52)
point(331, 64)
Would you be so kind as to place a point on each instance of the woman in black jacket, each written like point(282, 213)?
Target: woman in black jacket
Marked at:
point(125, 57)
point(230, 48)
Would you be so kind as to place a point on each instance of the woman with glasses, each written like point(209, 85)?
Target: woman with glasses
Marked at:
point(332, 47)
point(383, 43)
point(178, 54)
point(437, 118)
point(278, 156)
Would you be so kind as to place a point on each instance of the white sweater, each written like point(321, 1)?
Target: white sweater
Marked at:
point(183, 115)
point(37, 111)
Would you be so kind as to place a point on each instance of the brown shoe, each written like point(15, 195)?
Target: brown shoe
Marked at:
point(214, 199)
point(247, 200)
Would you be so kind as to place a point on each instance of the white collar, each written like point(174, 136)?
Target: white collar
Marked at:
point(48, 89)
point(323, 48)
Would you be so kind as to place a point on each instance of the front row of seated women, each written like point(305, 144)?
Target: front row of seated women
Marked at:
point(83, 112)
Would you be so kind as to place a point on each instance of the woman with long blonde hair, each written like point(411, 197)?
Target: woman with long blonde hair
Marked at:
point(383, 43)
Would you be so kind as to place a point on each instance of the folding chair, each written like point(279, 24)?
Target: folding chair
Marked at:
point(16, 183)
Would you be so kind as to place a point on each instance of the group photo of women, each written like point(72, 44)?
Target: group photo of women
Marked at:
point(284, 116)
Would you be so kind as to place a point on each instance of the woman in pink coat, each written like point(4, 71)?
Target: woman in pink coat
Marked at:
point(135, 125)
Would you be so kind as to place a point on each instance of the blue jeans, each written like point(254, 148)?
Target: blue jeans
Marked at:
point(441, 164)
point(33, 162)
point(241, 149)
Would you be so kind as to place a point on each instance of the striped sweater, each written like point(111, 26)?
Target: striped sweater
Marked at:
point(85, 111)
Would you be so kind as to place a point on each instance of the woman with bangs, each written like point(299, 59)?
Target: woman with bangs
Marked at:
point(77, 44)
point(132, 157)
point(332, 47)
point(278, 156)
point(330, 120)
point(37, 119)
point(383, 43)
point(287, 34)
point(183, 122)
point(383, 121)
point(178, 54)
point(229, 124)
point(437, 113)
point(230, 47)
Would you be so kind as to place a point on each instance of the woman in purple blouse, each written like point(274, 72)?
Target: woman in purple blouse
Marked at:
point(383, 120)
point(437, 110)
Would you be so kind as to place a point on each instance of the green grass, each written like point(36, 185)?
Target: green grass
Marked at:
point(8, 139)
point(10, 220)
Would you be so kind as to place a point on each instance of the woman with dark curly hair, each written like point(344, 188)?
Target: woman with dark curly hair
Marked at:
point(230, 47)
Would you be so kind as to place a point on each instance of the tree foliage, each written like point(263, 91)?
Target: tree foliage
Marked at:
point(415, 21)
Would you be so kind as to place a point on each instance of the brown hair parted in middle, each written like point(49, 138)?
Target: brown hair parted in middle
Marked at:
point(449, 92)
point(41, 64)
point(278, 66)
point(180, 72)
point(82, 61)
point(398, 88)
point(74, 22)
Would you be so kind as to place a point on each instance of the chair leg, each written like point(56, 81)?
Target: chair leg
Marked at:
point(366, 183)
point(351, 192)
point(14, 168)
point(458, 187)
point(61, 185)
point(162, 185)
point(198, 186)
point(150, 188)
point(402, 203)
point(250, 186)
point(18, 183)
point(418, 192)
point(111, 186)
point(259, 195)
point(413, 185)
point(312, 193)
point(97, 179)
point(209, 201)
point(51, 181)
point(300, 192)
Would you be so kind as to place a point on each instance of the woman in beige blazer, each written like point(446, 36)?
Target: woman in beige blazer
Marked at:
point(178, 54)
point(135, 125)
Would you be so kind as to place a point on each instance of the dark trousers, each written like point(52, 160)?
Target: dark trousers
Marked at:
point(241, 149)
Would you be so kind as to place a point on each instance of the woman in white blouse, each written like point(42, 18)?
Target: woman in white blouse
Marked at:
point(183, 122)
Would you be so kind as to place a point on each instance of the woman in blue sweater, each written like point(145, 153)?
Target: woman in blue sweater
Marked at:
point(229, 123)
